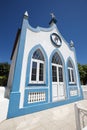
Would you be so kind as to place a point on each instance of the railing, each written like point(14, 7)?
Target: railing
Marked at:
point(81, 117)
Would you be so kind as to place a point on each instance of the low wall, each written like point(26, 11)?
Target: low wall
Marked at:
point(4, 102)
point(84, 89)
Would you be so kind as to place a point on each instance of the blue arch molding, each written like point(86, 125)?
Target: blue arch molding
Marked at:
point(50, 70)
point(29, 63)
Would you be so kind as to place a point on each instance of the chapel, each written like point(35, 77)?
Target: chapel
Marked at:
point(43, 72)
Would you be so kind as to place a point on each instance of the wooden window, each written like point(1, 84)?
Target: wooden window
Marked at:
point(71, 73)
point(37, 67)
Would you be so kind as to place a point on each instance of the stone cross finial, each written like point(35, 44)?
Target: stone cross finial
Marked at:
point(53, 19)
point(52, 15)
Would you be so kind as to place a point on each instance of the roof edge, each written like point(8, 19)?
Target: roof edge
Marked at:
point(15, 43)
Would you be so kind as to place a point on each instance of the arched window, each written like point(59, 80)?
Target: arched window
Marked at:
point(57, 68)
point(38, 55)
point(56, 59)
point(71, 73)
point(37, 67)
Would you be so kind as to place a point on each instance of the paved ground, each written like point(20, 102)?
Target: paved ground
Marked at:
point(58, 118)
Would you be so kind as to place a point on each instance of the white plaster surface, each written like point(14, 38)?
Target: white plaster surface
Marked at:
point(58, 118)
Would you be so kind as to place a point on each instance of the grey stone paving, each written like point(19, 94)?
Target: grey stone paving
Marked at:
point(58, 118)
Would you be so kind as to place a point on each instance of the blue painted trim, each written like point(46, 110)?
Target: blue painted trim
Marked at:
point(13, 104)
point(28, 110)
point(15, 94)
point(18, 64)
point(32, 85)
point(38, 29)
point(29, 63)
point(35, 87)
point(72, 84)
point(37, 103)
point(50, 70)
point(81, 92)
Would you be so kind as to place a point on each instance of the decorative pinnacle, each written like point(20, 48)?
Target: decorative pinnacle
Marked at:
point(71, 44)
point(26, 15)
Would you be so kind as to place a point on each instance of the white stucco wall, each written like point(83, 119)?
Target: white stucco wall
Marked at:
point(42, 38)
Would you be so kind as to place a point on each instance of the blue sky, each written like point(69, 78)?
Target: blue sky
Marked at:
point(71, 18)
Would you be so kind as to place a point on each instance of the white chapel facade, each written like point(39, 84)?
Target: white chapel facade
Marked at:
point(44, 70)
